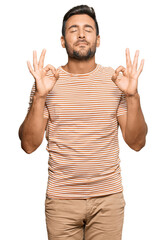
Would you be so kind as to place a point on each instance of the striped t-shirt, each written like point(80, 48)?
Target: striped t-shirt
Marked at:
point(82, 134)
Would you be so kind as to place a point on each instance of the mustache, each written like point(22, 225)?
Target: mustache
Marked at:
point(81, 41)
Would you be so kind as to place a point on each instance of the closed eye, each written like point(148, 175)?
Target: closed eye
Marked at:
point(73, 31)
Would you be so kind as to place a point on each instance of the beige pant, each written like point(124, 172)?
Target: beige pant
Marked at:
point(98, 218)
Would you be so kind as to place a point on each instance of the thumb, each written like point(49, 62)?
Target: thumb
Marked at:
point(53, 69)
point(57, 74)
point(120, 69)
point(117, 71)
point(114, 77)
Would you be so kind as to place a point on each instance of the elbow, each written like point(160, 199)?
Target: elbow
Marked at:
point(137, 146)
point(138, 141)
point(28, 142)
point(27, 149)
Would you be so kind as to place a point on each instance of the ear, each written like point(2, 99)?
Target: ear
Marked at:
point(63, 41)
point(98, 41)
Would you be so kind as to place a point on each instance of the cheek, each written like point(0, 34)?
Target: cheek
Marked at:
point(71, 40)
point(91, 39)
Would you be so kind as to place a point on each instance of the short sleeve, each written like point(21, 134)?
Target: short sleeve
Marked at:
point(122, 108)
point(45, 112)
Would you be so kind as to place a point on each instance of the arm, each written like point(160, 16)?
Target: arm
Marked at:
point(132, 124)
point(31, 131)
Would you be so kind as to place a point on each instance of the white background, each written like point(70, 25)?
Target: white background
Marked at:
point(34, 25)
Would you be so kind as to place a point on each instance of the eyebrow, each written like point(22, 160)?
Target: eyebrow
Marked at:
point(86, 25)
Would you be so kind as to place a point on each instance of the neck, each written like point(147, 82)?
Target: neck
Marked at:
point(80, 67)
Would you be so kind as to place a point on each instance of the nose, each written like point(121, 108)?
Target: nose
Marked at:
point(81, 33)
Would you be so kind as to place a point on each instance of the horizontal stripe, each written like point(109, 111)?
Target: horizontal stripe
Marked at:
point(82, 134)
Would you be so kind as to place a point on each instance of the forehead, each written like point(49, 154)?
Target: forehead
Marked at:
point(80, 20)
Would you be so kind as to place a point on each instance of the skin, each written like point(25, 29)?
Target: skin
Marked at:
point(132, 124)
point(83, 34)
point(81, 42)
point(31, 131)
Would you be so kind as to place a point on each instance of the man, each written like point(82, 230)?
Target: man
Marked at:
point(81, 105)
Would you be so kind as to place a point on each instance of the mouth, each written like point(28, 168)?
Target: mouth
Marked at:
point(81, 43)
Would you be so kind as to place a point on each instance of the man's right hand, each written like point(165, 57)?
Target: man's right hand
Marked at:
point(45, 78)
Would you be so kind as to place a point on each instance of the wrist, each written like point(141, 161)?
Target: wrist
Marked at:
point(39, 96)
point(133, 100)
point(38, 99)
point(135, 95)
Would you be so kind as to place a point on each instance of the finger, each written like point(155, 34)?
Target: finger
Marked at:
point(128, 59)
point(135, 62)
point(114, 77)
point(140, 67)
point(117, 71)
point(41, 60)
point(120, 69)
point(35, 65)
point(53, 70)
point(57, 74)
point(49, 67)
point(30, 68)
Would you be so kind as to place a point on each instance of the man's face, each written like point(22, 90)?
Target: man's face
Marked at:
point(80, 37)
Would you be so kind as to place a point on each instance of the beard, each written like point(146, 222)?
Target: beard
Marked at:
point(81, 54)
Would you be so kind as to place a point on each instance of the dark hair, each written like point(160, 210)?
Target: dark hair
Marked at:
point(82, 9)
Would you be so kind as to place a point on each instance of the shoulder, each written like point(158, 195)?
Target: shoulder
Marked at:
point(107, 69)
point(110, 71)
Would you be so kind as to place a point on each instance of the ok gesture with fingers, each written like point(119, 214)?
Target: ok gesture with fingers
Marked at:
point(129, 81)
point(45, 78)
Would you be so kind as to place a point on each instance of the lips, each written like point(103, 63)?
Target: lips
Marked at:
point(81, 43)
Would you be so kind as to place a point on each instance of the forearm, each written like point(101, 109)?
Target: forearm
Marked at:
point(136, 128)
point(32, 130)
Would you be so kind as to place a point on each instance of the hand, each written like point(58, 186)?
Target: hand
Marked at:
point(45, 78)
point(129, 81)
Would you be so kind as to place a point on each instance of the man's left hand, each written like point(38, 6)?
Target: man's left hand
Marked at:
point(129, 81)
